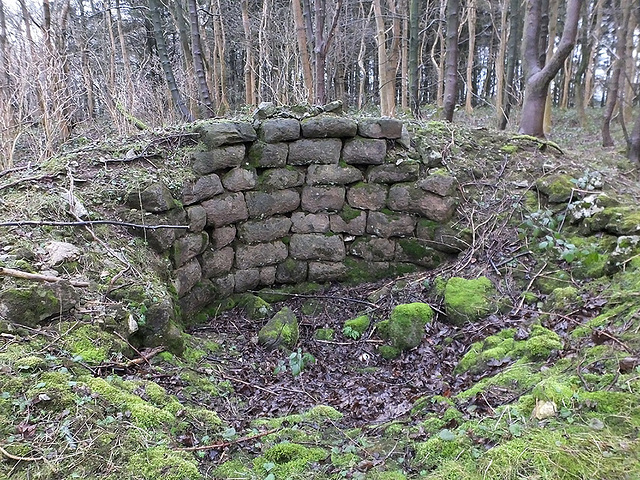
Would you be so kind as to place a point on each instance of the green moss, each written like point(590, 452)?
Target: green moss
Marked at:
point(418, 252)
point(468, 300)
point(406, 324)
point(281, 330)
point(349, 213)
point(540, 344)
point(557, 187)
point(90, 343)
point(358, 324)
point(255, 307)
point(31, 362)
point(509, 149)
point(388, 352)
point(54, 389)
point(322, 412)
point(436, 450)
point(326, 334)
point(564, 299)
point(163, 462)
point(549, 282)
point(288, 459)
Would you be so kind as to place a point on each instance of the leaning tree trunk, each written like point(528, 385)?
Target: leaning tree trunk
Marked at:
point(451, 59)
point(538, 77)
point(156, 18)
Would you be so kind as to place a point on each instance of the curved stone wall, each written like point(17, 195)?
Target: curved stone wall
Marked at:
point(286, 201)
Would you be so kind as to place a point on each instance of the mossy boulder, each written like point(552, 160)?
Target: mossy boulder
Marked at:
point(557, 187)
point(32, 305)
point(255, 307)
point(405, 328)
point(563, 300)
point(357, 325)
point(281, 331)
point(468, 300)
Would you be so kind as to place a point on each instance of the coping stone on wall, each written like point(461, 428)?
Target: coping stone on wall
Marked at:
point(329, 126)
point(216, 134)
point(277, 130)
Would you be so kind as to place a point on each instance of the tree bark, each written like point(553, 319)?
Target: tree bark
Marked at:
point(451, 60)
point(301, 38)
point(414, 45)
point(500, 63)
point(513, 49)
point(387, 57)
point(156, 17)
point(539, 76)
point(198, 63)
point(471, 21)
point(618, 68)
point(633, 151)
point(550, 35)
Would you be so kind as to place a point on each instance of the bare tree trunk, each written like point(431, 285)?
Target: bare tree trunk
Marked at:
point(618, 68)
point(414, 44)
point(322, 41)
point(156, 17)
point(87, 75)
point(586, 44)
point(220, 41)
point(627, 81)
point(438, 65)
point(568, 72)
point(404, 62)
point(588, 79)
point(633, 152)
point(470, 55)
point(302, 40)
point(451, 74)
point(550, 46)
point(387, 57)
point(183, 31)
point(4, 56)
point(198, 63)
point(513, 48)
point(500, 60)
point(128, 87)
point(361, 66)
point(538, 76)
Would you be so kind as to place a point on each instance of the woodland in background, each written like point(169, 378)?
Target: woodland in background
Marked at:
point(118, 65)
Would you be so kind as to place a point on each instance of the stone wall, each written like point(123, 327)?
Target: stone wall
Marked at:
point(286, 201)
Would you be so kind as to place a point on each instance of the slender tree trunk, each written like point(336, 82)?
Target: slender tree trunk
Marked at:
point(438, 64)
point(550, 35)
point(618, 68)
point(513, 49)
point(4, 56)
point(451, 75)
point(500, 63)
point(198, 63)
point(361, 65)
point(633, 152)
point(585, 53)
point(538, 76)
point(414, 46)
point(593, 60)
point(301, 37)
point(183, 31)
point(568, 72)
point(156, 17)
point(627, 81)
point(471, 53)
point(387, 57)
point(87, 76)
point(128, 81)
point(404, 62)
point(220, 41)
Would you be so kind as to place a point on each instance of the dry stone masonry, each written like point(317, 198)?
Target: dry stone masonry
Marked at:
point(285, 201)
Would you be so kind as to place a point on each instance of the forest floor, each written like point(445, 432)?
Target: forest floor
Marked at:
point(228, 408)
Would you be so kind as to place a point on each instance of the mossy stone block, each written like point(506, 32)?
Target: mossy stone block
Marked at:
point(281, 331)
point(468, 300)
point(255, 307)
point(406, 324)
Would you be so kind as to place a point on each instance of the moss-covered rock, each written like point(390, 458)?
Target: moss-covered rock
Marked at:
point(388, 352)
point(563, 300)
point(468, 300)
point(32, 305)
point(255, 307)
point(405, 329)
point(355, 327)
point(281, 331)
point(163, 462)
point(325, 334)
point(557, 187)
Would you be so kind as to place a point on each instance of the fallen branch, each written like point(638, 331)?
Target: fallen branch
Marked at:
point(20, 459)
point(10, 272)
point(23, 223)
point(541, 143)
point(228, 444)
point(28, 179)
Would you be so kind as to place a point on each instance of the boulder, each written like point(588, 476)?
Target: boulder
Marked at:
point(468, 300)
point(411, 199)
point(281, 331)
point(187, 276)
point(405, 327)
point(277, 130)
point(216, 263)
point(216, 134)
point(155, 198)
point(35, 304)
point(188, 246)
point(314, 150)
point(326, 271)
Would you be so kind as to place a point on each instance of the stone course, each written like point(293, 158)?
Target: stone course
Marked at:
point(286, 201)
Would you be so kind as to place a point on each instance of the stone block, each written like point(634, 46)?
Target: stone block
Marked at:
point(346, 222)
point(313, 246)
point(197, 217)
point(326, 271)
point(328, 126)
point(291, 271)
point(246, 280)
point(373, 249)
point(260, 255)
point(225, 209)
point(364, 151)
point(239, 179)
point(392, 173)
point(442, 237)
point(216, 134)
point(332, 175)
point(268, 154)
point(156, 198)
point(281, 178)
point(216, 263)
point(412, 199)
point(188, 247)
point(310, 222)
point(267, 204)
point(203, 188)
point(268, 275)
point(218, 158)
point(223, 236)
point(367, 196)
point(380, 128)
point(197, 299)
point(418, 252)
point(225, 285)
point(443, 185)
point(390, 224)
point(187, 276)
point(277, 130)
point(315, 150)
point(316, 199)
point(162, 238)
point(258, 231)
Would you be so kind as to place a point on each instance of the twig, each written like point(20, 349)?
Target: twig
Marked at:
point(228, 444)
point(23, 223)
point(20, 459)
point(10, 272)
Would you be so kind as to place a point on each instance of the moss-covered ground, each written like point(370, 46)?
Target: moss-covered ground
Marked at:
point(544, 386)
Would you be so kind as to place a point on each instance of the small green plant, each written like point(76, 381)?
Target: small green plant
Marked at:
point(351, 333)
point(297, 361)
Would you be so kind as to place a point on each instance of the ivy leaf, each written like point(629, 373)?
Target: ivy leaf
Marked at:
point(447, 435)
